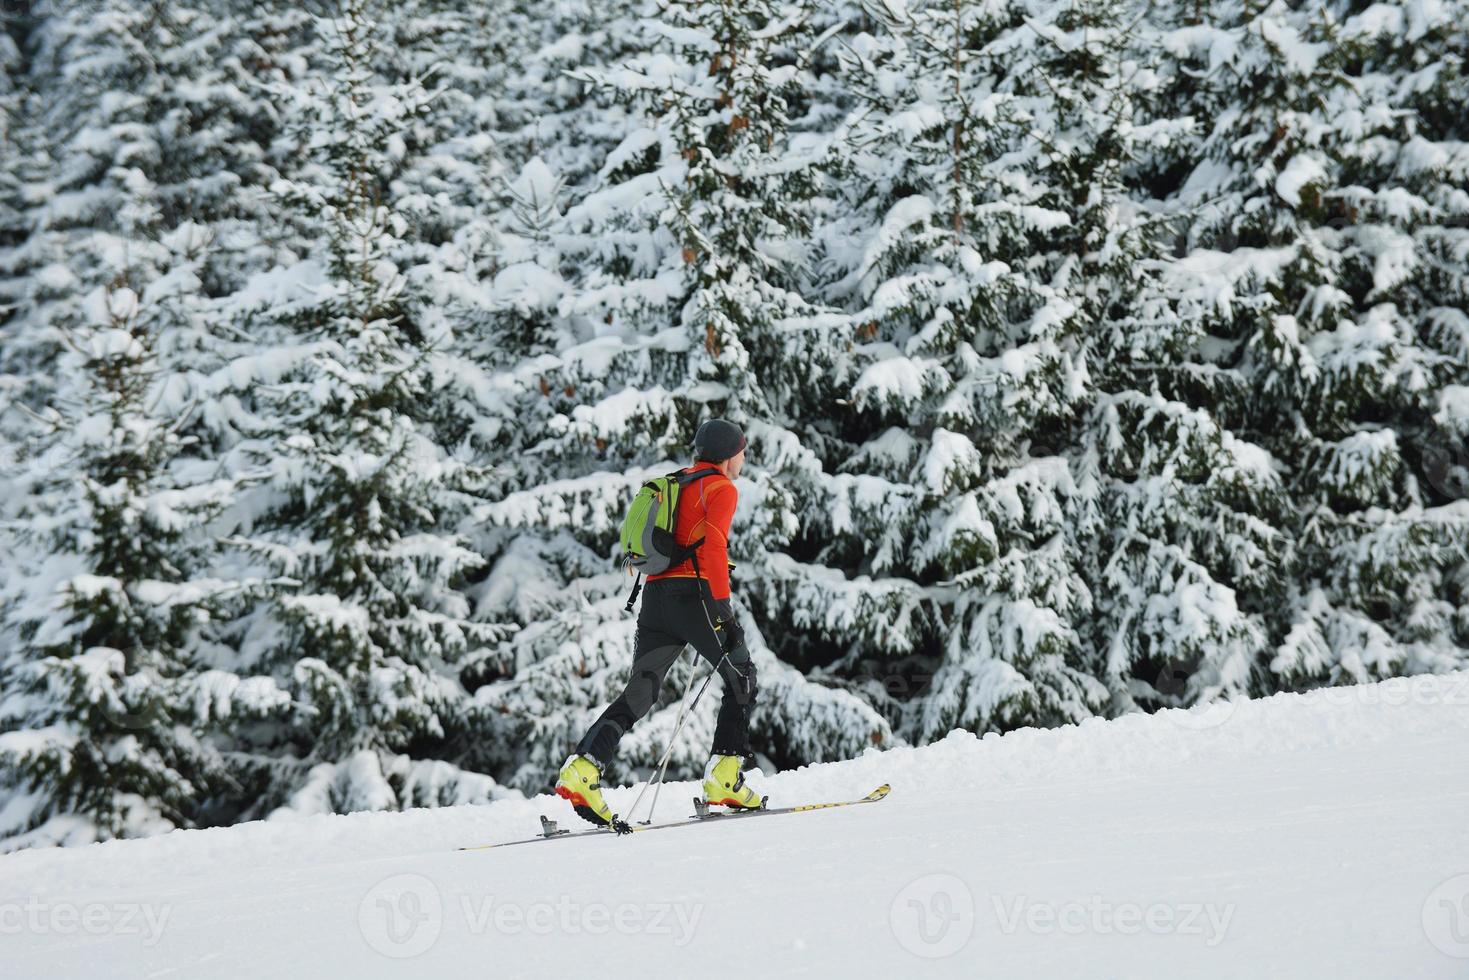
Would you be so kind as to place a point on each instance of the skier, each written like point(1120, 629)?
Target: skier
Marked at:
point(675, 612)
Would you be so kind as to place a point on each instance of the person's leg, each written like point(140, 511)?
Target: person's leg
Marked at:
point(732, 728)
point(654, 651)
point(692, 620)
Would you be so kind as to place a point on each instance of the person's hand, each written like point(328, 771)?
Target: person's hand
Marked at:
point(734, 633)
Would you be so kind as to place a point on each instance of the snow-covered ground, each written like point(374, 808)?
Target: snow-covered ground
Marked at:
point(1321, 836)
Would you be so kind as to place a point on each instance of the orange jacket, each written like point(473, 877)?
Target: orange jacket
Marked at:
point(706, 508)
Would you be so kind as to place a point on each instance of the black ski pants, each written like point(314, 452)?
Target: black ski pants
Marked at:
point(677, 612)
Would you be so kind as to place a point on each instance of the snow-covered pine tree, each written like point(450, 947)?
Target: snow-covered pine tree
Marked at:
point(1300, 271)
point(965, 377)
point(690, 305)
point(545, 108)
point(357, 500)
point(1405, 164)
point(72, 150)
point(519, 138)
point(134, 114)
point(136, 148)
point(103, 603)
point(1181, 549)
point(14, 27)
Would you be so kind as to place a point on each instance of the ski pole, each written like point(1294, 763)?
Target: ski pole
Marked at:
point(678, 726)
point(667, 750)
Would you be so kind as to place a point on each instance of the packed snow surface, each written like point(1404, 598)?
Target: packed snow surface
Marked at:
point(1324, 835)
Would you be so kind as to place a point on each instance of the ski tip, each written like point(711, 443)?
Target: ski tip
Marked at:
point(880, 792)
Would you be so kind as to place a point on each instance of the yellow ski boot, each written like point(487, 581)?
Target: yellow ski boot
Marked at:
point(724, 785)
point(580, 782)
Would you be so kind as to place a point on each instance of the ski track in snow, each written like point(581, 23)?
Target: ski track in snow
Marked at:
point(1296, 836)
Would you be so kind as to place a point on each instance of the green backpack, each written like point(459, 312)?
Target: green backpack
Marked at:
point(648, 543)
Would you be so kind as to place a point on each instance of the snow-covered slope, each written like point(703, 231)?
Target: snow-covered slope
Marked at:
point(1320, 836)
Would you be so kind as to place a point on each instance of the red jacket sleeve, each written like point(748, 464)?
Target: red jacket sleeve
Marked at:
point(720, 499)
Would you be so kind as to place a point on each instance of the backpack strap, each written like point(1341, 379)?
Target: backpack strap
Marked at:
point(689, 551)
point(684, 479)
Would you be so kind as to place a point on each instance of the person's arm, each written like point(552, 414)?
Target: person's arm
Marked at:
point(719, 506)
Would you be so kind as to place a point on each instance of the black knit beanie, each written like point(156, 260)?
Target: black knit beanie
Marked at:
point(717, 440)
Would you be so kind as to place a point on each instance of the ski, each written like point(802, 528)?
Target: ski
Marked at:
point(702, 811)
point(550, 831)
